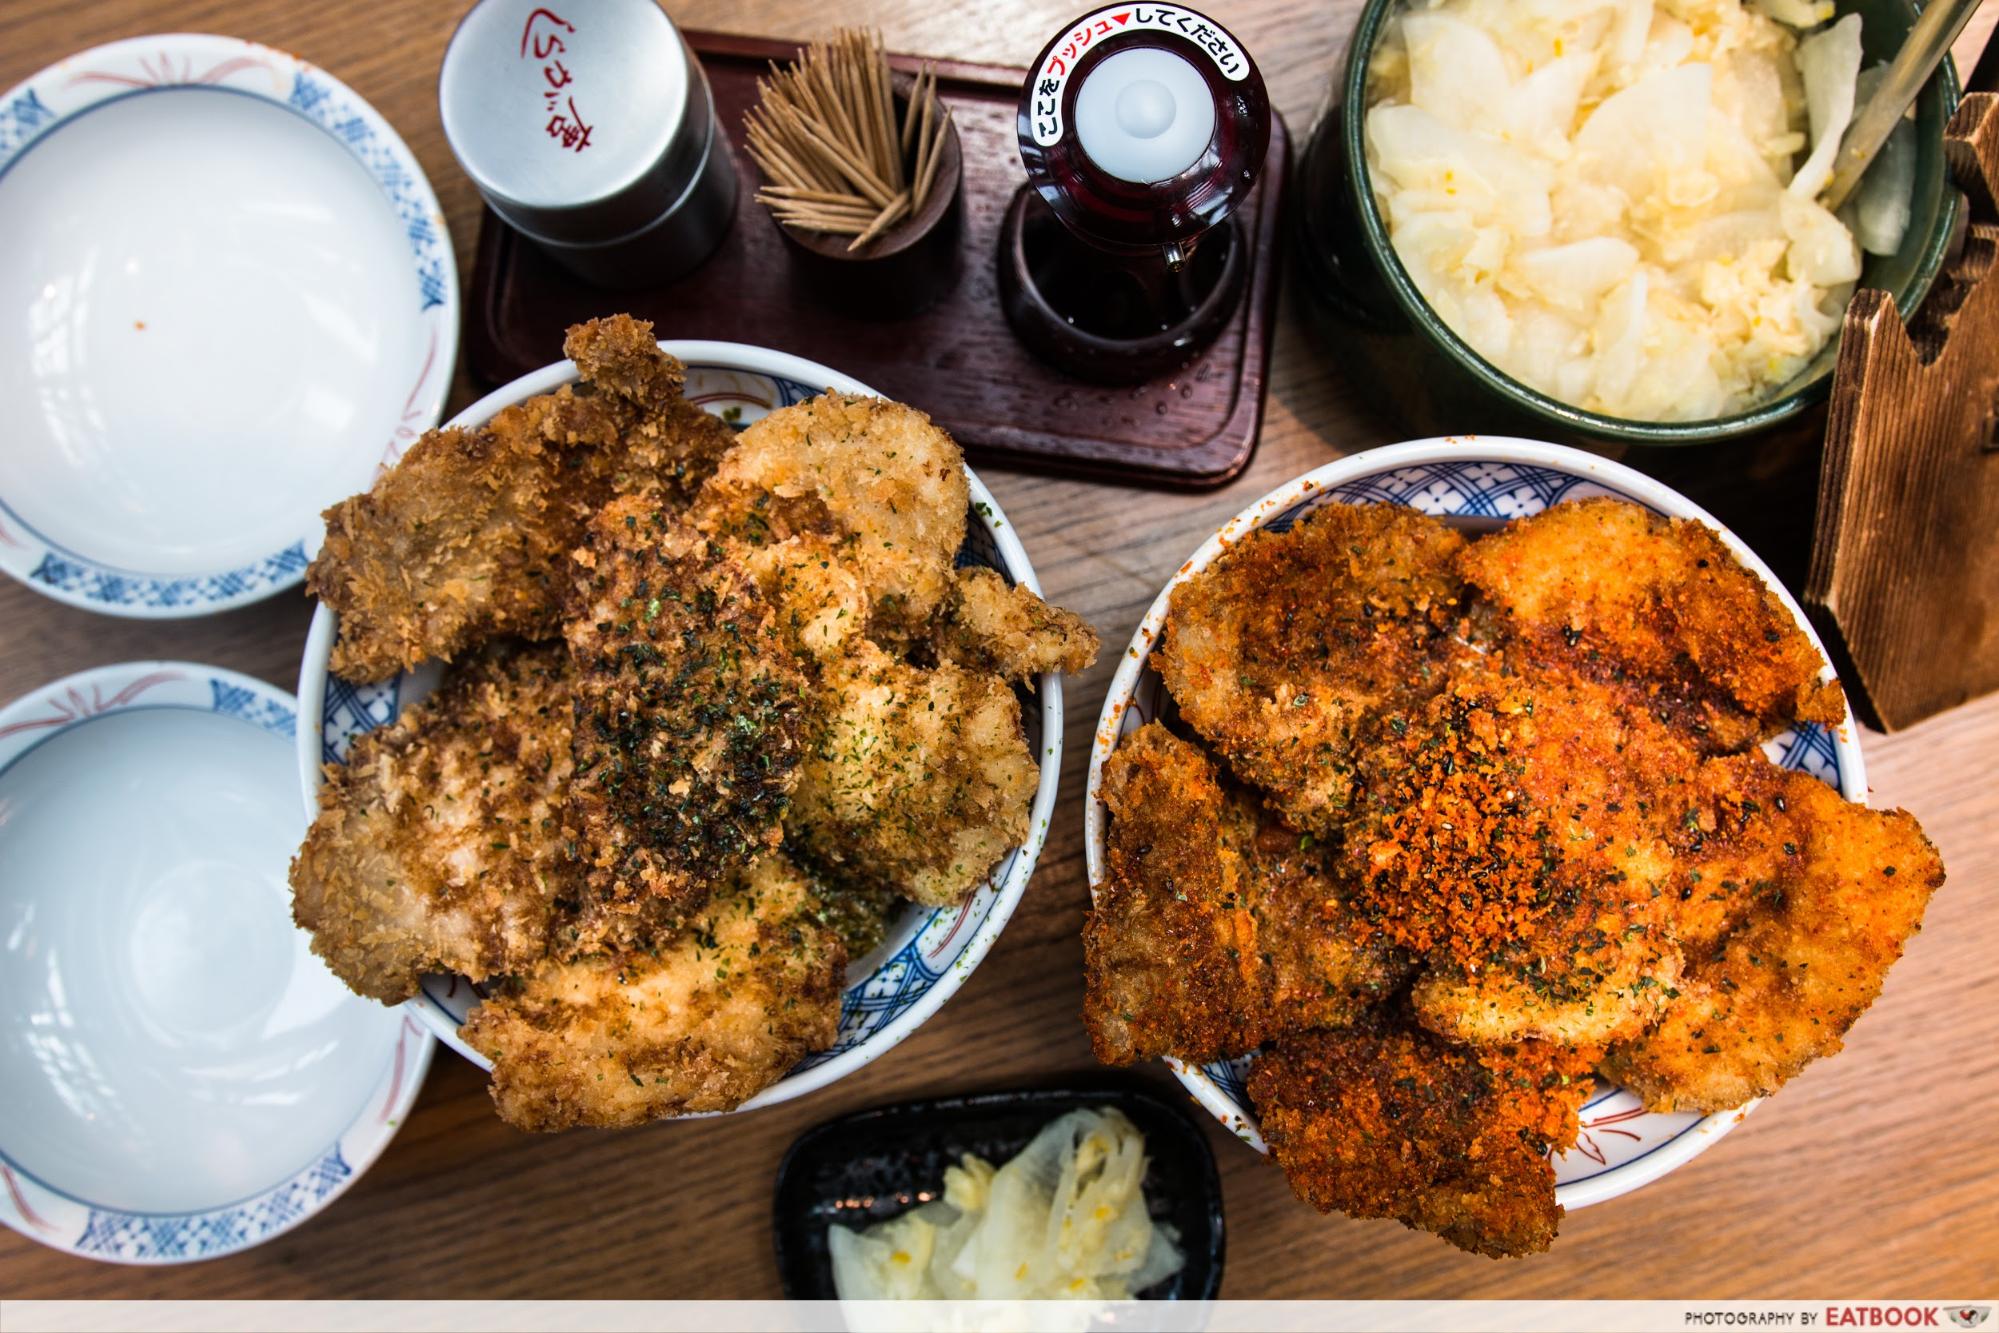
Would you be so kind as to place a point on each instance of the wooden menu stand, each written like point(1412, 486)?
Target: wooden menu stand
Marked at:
point(1904, 581)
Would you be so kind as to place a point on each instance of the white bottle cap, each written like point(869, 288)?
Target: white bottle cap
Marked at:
point(1144, 115)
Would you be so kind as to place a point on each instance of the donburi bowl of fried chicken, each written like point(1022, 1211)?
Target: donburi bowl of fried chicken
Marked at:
point(680, 726)
point(1477, 828)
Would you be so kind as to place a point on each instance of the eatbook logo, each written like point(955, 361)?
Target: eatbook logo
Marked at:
point(1969, 1316)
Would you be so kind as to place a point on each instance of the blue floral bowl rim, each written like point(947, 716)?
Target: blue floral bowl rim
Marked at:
point(58, 1219)
point(165, 62)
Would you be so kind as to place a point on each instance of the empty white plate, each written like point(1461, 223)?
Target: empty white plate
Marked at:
point(180, 1077)
point(227, 297)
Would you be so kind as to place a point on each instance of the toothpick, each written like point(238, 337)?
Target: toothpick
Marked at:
point(815, 196)
point(932, 158)
point(923, 138)
point(818, 136)
point(827, 136)
point(893, 213)
point(909, 112)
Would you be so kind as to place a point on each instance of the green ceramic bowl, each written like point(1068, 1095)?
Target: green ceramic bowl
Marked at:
point(1432, 377)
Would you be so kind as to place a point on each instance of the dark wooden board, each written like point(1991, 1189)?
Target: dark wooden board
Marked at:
point(1904, 581)
point(957, 360)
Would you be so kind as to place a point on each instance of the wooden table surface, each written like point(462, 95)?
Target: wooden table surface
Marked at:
point(1873, 1175)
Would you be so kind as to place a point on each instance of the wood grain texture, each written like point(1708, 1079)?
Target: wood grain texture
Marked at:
point(1873, 1175)
point(1904, 579)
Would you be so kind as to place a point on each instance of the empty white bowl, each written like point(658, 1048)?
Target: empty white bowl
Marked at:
point(929, 951)
point(231, 298)
point(1481, 482)
point(180, 1077)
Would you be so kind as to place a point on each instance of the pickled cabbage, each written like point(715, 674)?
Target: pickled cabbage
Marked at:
point(1880, 209)
point(1616, 201)
point(1065, 1220)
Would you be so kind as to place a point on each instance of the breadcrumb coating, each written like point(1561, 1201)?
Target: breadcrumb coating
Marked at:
point(1598, 993)
point(870, 488)
point(1516, 833)
point(1784, 988)
point(439, 844)
point(1387, 1120)
point(1169, 939)
point(464, 540)
point(1606, 587)
point(1312, 967)
point(992, 625)
point(1216, 926)
point(1282, 653)
point(689, 710)
point(701, 1022)
point(915, 777)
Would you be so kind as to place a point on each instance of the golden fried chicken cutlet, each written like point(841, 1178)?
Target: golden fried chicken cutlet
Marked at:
point(869, 488)
point(439, 845)
point(849, 512)
point(1785, 987)
point(1283, 652)
point(1559, 849)
point(466, 538)
point(689, 711)
point(991, 625)
point(701, 1022)
point(1213, 929)
point(675, 445)
point(915, 777)
point(1606, 586)
point(1490, 807)
point(1386, 1120)
point(791, 550)
point(723, 653)
point(1734, 850)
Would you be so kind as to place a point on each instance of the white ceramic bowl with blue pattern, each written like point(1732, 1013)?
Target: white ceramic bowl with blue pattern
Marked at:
point(232, 298)
point(180, 1078)
point(928, 952)
point(1479, 482)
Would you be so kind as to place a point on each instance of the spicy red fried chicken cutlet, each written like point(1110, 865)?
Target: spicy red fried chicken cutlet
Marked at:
point(1502, 820)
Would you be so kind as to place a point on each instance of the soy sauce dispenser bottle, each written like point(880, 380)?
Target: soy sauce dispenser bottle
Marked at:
point(1143, 128)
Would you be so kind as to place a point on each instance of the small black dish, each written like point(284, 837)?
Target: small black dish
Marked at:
point(865, 1167)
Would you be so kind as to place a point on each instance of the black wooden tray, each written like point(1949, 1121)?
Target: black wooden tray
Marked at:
point(958, 360)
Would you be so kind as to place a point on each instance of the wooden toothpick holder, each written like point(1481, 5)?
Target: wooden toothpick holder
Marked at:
point(1904, 581)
